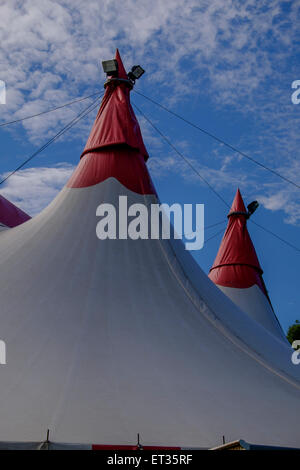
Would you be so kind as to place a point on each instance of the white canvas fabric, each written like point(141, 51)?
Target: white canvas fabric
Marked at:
point(3, 227)
point(255, 303)
point(107, 339)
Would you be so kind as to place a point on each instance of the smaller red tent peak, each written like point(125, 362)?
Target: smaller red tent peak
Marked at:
point(238, 203)
point(236, 264)
point(121, 69)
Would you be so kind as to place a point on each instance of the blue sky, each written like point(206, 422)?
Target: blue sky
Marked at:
point(228, 66)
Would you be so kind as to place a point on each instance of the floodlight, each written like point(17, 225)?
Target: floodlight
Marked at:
point(110, 67)
point(136, 72)
point(252, 207)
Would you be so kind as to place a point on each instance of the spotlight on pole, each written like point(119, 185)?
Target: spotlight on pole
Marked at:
point(136, 72)
point(110, 67)
point(252, 207)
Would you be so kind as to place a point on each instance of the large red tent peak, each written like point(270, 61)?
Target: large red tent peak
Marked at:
point(115, 147)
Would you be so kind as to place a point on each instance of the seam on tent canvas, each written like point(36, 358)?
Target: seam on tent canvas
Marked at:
point(192, 294)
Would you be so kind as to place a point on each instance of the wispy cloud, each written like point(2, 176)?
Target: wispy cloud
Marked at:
point(286, 200)
point(218, 177)
point(240, 54)
point(34, 188)
point(52, 49)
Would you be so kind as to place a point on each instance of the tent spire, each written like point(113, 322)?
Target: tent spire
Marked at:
point(121, 70)
point(116, 123)
point(238, 206)
point(236, 264)
point(115, 147)
point(237, 271)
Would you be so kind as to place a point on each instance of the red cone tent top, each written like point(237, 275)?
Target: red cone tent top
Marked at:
point(237, 272)
point(11, 215)
point(115, 147)
point(236, 264)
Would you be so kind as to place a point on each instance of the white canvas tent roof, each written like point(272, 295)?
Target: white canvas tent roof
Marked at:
point(110, 338)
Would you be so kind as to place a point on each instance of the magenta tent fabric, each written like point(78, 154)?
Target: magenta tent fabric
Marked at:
point(11, 215)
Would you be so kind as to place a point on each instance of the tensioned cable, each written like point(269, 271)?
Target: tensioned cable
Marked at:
point(213, 236)
point(208, 184)
point(207, 227)
point(87, 110)
point(214, 225)
point(218, 139)
point(74, 121)
point(49, 110)
point(181, 155)
point(275, 235)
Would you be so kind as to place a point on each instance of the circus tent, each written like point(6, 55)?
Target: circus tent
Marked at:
point(110, 338)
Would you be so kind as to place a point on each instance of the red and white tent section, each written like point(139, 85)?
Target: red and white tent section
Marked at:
point(110, 338)
point(11, 215)
point(237, 271)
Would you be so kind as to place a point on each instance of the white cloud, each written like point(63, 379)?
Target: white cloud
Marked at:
point(219, 178)
point(239, 55)
point(33, 189)
point(49, 44)
point(285, 200)
point(275, 201)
